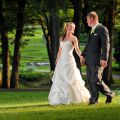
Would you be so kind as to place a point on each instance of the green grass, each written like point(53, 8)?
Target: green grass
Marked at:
point(35, 106)
point(17, 99)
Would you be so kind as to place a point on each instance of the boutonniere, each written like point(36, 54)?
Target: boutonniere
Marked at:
point(95, 34)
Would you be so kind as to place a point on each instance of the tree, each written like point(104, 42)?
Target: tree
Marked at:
point(49, 21)
point(77, 20)
point(17, 44)
point(86, 9)
point(117, 35)
point(109, 22)
point(117, 49)
point(5, 49)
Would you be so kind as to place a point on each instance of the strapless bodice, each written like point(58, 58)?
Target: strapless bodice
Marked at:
point(67, 47)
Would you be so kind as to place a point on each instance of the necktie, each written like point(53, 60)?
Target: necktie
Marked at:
point(92, 30)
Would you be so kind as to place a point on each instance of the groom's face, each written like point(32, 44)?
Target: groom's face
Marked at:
point(90, 21)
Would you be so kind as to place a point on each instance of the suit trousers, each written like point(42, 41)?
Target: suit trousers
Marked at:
point(96, 84)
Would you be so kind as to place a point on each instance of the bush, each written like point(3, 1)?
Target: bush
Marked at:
point(35, 76)
point(117, 48)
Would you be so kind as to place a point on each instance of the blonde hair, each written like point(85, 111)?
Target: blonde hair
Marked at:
point(64, 28)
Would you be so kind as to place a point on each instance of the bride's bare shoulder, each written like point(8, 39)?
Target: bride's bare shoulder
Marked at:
point(75, 38)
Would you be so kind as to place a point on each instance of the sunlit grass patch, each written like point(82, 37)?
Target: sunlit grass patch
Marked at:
point(35, 106)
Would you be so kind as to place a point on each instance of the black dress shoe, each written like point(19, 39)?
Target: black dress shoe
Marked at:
point(109, 98)
point(93, 103)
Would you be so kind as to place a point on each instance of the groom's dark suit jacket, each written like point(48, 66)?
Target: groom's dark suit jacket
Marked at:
point(97, 47)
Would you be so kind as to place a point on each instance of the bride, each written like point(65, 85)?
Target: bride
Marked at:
point(68, 86)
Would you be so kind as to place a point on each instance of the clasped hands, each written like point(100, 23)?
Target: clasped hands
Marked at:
point(82, 60)
point(103, 63)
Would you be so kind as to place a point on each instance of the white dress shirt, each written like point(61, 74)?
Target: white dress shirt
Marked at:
point(93, 28)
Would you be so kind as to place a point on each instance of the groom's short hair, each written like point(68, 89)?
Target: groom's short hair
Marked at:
point(93, 15)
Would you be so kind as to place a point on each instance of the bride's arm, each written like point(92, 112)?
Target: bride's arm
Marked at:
point(77, 47)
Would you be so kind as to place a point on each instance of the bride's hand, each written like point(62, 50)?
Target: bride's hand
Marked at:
point(103, 63)
point(82, 60)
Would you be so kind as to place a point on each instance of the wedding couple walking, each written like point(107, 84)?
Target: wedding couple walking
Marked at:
point(68, 85)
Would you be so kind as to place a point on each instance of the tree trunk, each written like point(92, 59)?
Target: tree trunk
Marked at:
point(54, 37)
point(77, 20)
point(5, 61)
point(85, 11)
point(0, 79)
point(5, 51)
point(107, 74)
point(18, 37)
point(47, 40)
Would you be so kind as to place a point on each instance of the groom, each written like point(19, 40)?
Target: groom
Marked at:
point(95, 55)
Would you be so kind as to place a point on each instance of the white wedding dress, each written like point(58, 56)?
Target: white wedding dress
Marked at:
point(68, 86)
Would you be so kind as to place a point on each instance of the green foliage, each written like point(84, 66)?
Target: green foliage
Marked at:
point(35, 79)
point(29, 31)
point(35, 76)
point(83, 38)
point(115, 68)
point(10, 14)
point(117, 48)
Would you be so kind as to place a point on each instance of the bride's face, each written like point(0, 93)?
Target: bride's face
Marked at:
point(70, 28)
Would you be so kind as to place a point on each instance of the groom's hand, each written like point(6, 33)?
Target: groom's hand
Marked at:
point(103, 63)
point(82, 60)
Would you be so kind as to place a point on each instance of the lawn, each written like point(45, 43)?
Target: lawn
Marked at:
point(35, 106)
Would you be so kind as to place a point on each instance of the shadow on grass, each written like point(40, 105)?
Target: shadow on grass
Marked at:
point(25, 106)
